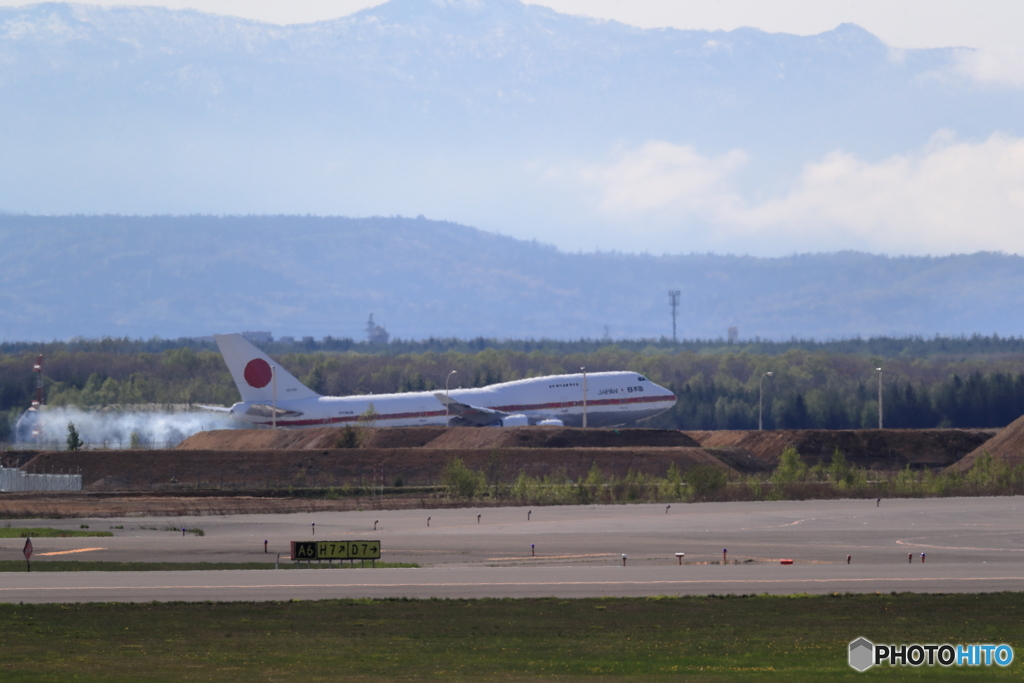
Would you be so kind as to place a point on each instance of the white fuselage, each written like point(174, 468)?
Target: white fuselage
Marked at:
point(612, 398)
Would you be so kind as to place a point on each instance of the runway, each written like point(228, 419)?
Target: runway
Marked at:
point(971, 545)
point(518, 582)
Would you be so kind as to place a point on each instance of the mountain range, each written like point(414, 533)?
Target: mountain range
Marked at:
point(308, 276)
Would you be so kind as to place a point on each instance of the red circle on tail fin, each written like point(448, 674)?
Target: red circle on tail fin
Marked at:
point(257, 373)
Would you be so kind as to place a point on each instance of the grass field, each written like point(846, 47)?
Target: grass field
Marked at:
point(99, 566)
point(46, 532)
point(796, 638)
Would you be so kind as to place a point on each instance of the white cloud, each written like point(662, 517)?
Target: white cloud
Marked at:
point(660, 174)
point(949, 197)
point(1003, 66)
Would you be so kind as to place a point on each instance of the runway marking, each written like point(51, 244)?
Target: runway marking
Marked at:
point(518, 584)
point(907, 542)
point(547, 557)
point(68, 552)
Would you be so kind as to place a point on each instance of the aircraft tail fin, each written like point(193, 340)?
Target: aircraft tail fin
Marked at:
point(254, 372)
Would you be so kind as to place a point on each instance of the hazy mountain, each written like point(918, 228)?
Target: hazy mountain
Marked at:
point(165, 276)
point(491, 112)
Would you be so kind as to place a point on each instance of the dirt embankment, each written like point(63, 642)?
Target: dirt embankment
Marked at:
point(437, 438)
point(1006, 445)
point(884, 449)
point(265, 469)
point(264, 459)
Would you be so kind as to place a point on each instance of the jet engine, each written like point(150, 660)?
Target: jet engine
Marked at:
point(525, 421)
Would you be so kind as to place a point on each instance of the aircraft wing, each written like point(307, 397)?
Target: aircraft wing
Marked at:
point(269, 412)
point(471, 414)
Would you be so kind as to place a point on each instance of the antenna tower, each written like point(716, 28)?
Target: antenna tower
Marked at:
point(673, 301)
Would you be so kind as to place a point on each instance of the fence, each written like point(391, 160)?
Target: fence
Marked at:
point(14, 479)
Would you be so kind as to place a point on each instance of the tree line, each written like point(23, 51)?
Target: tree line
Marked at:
point(717, 389)
point(913, 346)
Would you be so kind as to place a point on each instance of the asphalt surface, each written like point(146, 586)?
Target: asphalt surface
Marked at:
point(971, 545)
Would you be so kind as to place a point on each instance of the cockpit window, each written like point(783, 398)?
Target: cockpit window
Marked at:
point(641, 379)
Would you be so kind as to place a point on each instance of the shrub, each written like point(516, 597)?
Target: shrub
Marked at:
point(74, 440)
point(791, 468)
point(705, 479)
point(368, 418)
point(347, 438)
point(461, 481)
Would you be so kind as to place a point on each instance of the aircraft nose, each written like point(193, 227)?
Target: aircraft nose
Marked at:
point(667, 394)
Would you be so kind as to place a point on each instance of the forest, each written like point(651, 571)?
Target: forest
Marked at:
point(975, 382)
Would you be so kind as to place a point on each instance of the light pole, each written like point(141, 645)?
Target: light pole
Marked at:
point(446, 396)
point(760, 400)
point(879, 397)
point(584, 370)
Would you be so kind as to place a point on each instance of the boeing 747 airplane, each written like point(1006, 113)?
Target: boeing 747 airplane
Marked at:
point(273, 396)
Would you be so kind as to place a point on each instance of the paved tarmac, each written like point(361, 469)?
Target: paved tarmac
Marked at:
point(971, 545)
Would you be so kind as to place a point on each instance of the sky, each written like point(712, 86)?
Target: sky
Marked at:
point(983, 24)
point(922, 200)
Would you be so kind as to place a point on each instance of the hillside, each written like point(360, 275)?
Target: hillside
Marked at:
point(301, 275)
point(1006, 445)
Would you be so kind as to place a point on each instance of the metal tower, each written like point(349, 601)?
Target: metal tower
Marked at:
point(673, 301)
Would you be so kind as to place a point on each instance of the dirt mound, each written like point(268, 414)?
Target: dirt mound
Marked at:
point(306, 439)
point(403, 437)
point(438, 437)
point(561, 437)
point(264, 469)
point(16, 458)
point(886, 449)
point(253, 439)
point(1007, 445)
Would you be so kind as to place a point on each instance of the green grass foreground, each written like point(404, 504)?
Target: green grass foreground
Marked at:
point(100, 566)
point(46, 532)
point(796, 638)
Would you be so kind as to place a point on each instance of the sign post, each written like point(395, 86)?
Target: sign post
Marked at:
point(28, 553)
